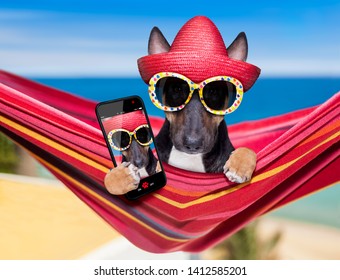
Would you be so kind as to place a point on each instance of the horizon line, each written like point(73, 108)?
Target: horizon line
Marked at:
point(126, 76)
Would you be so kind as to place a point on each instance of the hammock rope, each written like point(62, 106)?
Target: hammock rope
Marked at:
point(297, 154)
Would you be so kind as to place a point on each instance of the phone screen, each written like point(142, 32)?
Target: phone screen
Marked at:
point(130, 141)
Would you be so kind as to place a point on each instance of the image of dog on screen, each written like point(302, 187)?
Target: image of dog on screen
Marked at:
point(132, 146)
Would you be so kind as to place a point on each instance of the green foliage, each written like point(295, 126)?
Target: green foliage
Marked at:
point(8, 155)
point(246, 244)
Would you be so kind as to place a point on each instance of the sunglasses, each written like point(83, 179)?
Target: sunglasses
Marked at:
point(120, 139)
point(219, 95)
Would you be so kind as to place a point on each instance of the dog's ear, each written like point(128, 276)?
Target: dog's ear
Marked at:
point(238, 49)
point(157, 42)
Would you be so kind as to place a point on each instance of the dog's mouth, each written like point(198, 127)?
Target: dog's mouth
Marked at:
point(194, 141)
point(140, 160)
point(191, 149)
point(139, 163)
point(191, 146)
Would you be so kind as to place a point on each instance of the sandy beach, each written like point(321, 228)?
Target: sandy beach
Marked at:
point(302, 241)
point(42, 219)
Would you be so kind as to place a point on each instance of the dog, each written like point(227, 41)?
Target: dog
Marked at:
point(196, 140)
point(193, 138)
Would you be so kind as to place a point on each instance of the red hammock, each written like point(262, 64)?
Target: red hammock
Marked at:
point(298, 153)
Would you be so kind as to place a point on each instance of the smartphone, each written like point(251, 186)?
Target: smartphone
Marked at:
point(129, 138)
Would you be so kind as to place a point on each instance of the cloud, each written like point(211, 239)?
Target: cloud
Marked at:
point(298, 67)
point(11, 15)
point(45, 43)
point(64, 46)
point(69, 63)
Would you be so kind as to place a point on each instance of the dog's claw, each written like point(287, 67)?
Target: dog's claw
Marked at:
point(240, 165)
point(233, 177)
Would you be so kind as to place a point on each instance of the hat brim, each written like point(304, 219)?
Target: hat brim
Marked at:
point(129, 121)
point(198, 67)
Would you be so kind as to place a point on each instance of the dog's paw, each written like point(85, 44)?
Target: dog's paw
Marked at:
point(133, 171)
point(233, 177)
point(240, 166)
point(122, 179)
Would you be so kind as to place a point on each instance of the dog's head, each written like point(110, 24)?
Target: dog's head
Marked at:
point(193, 129)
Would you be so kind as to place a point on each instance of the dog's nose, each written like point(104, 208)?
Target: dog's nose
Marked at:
point(138, 162)
point(193, 144)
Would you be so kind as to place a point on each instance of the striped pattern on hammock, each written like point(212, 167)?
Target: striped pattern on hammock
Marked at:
point(298, 153)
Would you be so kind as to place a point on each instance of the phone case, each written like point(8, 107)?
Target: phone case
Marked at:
point(126, 129)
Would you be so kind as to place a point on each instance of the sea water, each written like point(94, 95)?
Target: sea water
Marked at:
point(268, 97)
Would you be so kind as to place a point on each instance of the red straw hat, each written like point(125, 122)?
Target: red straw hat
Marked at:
point(198, 52)
point(129, 121)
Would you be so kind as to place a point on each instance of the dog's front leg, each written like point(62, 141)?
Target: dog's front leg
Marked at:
point(122, 179)
point(240, 166)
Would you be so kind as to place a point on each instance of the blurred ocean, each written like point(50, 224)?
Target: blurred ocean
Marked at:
point(268, 97)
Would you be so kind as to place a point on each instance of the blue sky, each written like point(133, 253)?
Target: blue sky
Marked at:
point(105, 38)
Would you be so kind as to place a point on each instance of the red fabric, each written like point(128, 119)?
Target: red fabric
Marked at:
point(129, 121)
point(298, 153)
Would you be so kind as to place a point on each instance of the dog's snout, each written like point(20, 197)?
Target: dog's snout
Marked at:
point(193, 129)
point(138, 155)
point(193, 144)
point(138, 162)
